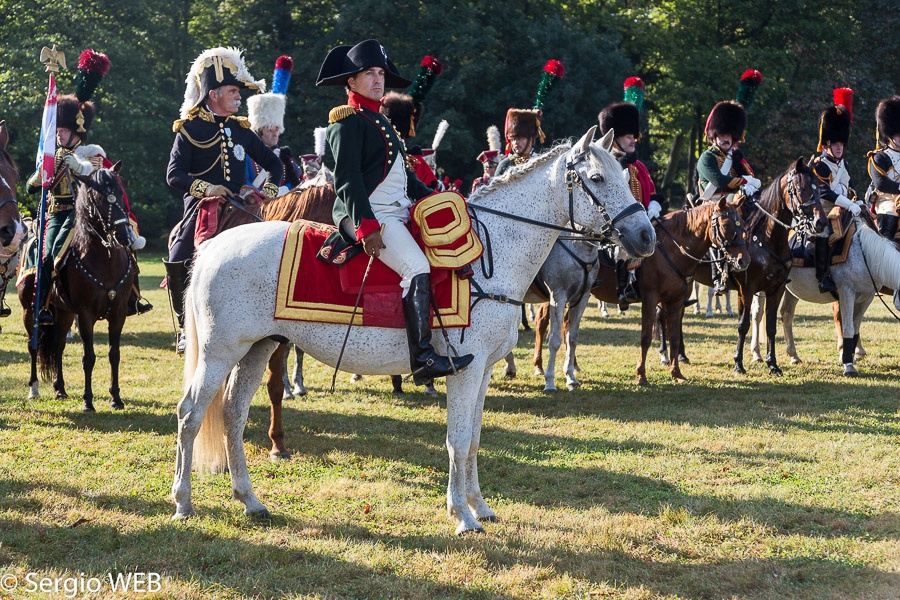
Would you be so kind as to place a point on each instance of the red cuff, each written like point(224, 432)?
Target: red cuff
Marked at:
point(366, 226)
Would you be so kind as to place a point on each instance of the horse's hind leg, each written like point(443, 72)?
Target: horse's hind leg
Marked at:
point(276, 390)
point(285, 380)
point(541, 321)
point(554, 341)
point(115, 338)
point(757, 309)
point(663, 346)
point(299, 387)
point(242, 385)
point(87, 361)
point(788, 310)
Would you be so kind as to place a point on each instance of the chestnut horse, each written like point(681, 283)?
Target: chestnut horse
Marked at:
point(12, 232)
point(93, 282)
point(664, 278)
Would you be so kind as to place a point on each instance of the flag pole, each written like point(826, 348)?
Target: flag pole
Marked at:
point(54, 61)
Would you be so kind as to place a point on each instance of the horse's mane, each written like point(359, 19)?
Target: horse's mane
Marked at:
point(882, 257)
point(768, 199)
point(518, 172)
point(5, 157)
point(313, 203)
point(106, 181)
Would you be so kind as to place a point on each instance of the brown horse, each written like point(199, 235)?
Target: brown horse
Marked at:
point(664, 278)
point(12, 232)
point(791, 200)
point(93, 282)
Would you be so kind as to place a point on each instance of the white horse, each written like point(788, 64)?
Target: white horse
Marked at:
point(871, 258)
point(230, 326)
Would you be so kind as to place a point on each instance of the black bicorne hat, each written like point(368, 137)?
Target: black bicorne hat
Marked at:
point(343, 62)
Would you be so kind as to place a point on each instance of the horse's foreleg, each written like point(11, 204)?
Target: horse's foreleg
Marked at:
point(709, 302)
point(241, 387)
point(574, 324)
point(554, 341)
point(285, 381)
point(757, 308)
point(465, 404)
point(86, 329)
point(277, 390)
point(115, 339)
point(788, 310)
point(675, 319)
point(772, 303)
point(510, 371)
point(743, 328)
point(541, 322)
point(299, 387)
point(648, 316)
point(663, 345)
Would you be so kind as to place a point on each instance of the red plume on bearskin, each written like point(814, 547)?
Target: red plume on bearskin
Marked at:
point(433, 65)
point(750, 82)
point(429, 69)
point(633, 80)
point(844, 97)
point(752, 75)
point(284, 62)
point(92, 67)
point(555, 68)
point(553, 72)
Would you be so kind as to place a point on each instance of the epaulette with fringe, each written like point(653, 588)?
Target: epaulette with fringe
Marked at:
point(244, 121)
point(339, 113)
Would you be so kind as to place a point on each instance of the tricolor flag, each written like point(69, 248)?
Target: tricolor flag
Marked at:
point(46, 153)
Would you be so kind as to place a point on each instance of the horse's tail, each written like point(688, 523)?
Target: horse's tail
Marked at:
point(882, 257)
point(209, 445)
point(46, 350)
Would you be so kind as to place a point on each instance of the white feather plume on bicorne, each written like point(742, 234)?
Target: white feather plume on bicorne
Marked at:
point(319, 137)
point(495, 142)
point(442, 128)
point(192, 81)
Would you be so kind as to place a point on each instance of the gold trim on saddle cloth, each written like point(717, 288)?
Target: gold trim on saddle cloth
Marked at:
point(456, 315)
point(437, 238)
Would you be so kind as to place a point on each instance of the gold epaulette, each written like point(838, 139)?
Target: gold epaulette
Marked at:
point(339, 113)
point(177, 124)
point(244, 121)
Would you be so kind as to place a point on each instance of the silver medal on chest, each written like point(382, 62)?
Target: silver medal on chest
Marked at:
point(239, 152)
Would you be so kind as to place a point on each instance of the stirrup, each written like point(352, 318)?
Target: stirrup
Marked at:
point(5, 310)
point(45, 317)
point(143, 306)
point(180, 342)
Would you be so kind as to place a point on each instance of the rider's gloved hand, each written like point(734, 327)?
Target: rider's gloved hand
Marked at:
point(218, 190)
point(653, 209)
point(848, 204)
point(77, 165)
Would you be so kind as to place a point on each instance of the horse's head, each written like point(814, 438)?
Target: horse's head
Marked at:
point(613, 211)
point(12, 231)
point(727, 233)
point(801, 187)
point(100, 209)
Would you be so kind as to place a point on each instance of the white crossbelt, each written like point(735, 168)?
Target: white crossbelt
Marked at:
point(711, 187)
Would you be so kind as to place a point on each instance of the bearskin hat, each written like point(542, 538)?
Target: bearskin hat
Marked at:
point(623, 117)
point(403, 113)
point(726, 118)
point(834, 124)
point(524, 122)
point(266, 110)
point(67, 108)
point(213, 69)
point(887, 119)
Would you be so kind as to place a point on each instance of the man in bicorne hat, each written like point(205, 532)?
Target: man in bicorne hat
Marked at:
point(523, 132)
point(207, 158)
point(266, 115)
point(624, 119)
point(884, 167)
point(374, 185)
point(831, 169)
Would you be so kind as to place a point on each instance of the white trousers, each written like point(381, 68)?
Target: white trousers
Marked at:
point(402, 254)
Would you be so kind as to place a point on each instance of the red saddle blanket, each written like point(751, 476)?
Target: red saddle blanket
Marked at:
point(312, 290)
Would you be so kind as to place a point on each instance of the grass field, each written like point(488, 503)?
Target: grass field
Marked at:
point(725, 487)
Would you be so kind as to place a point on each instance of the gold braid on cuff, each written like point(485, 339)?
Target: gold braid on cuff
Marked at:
point(270, 190)
point(198, 188)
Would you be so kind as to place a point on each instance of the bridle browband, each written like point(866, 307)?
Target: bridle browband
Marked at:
point(797, 207)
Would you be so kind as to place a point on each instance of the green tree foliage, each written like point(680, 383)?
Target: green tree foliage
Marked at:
point(690, 54)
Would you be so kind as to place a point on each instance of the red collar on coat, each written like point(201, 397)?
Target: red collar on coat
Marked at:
point(358, 101)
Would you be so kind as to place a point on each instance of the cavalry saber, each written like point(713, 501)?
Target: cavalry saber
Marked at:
point(362, 285)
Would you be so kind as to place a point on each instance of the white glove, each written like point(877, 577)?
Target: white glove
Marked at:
point(752, 182)
point(751, 188)
point(77, 165)
point(839, 188)
point(653, 209)
point(846, 203)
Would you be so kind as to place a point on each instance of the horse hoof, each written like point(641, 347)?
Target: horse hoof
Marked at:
point(117, 405)
point(276, 456)
point(299, 391)
point(795, 361)
point(287, 395)
point(550, 389)
point(509, 375)
point(776, 371)
point(538, 372)
point(355, 378)
point(664, 361)
point(757, 358)
point(684, 359)
point(860, 353)
point(463, 530)
point(88, 408)
point(850, 370)
point(184, 515)
point(709, 314)
point(260, 515)
point(61, 395)
point(739, 371)
point(643, 382)
point(489, 519)
point(430, 391)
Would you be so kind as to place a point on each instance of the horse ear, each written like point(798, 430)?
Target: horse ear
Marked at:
point(606, 141)
point(723, 201)
point(116, 167)
point(583, 145)
point(4, 135)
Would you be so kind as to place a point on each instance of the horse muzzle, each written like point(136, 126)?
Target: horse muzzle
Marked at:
point(11, 237)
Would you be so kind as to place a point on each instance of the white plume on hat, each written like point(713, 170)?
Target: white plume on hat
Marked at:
point(230, 55)
point(495, 142)
point(266, 110)
point(442, 128)
point(319, 137)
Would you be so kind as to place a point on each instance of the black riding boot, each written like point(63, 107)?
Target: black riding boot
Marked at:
point(823, 266)
point(719, 273)
point(177, 274)
point(426, 364)
point(624, 289)
point(887, 226)
point(136, 304)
